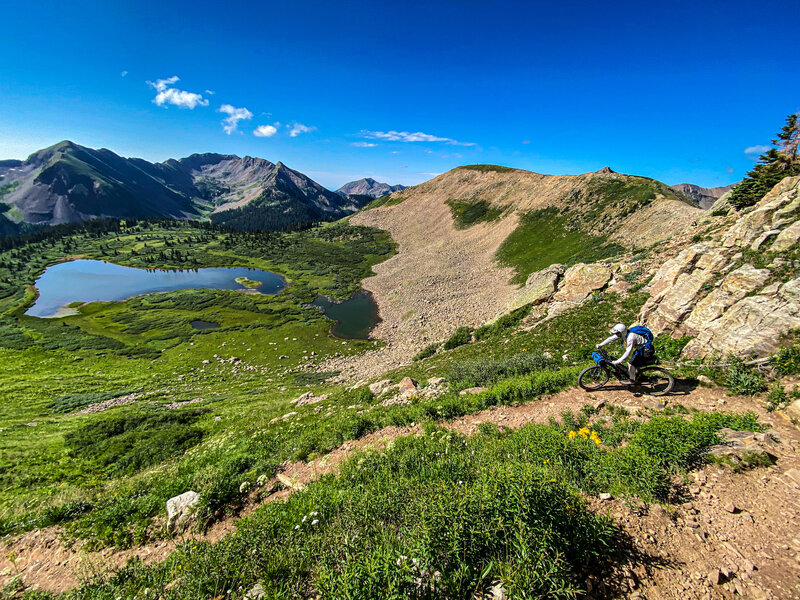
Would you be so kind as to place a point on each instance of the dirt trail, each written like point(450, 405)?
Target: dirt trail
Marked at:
point(753, 551)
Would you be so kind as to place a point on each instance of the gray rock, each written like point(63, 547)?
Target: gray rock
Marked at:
point(539, 287)
point(256, 592)
point(180, 510)
point(472, 390)
point(379, 387)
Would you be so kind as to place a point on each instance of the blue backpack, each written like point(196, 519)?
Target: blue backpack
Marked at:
point(647, 351)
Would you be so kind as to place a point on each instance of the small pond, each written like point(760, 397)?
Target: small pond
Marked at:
point(355, 317)
point(203, 325)
point(98, 281)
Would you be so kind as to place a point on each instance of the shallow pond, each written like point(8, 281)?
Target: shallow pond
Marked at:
point(203, 325)
point(98, 281)
point(355, 317)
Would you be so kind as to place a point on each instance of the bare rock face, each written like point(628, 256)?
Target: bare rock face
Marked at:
point(752, 325)
point(539, 287)
point(180, 509)
point(581, 280)
point(709, 291)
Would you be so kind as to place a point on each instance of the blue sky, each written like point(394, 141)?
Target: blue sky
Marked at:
point(401, 91)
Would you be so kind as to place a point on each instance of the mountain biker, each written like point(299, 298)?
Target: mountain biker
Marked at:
point(634, 344)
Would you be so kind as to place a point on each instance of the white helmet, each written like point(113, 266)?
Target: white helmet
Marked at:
point(619, 330)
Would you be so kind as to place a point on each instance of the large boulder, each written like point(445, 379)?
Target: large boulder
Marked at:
point(180, 511)
point(539, 287)
point(581, 280)
point(408, 386)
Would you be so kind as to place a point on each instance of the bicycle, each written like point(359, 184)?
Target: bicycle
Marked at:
point(656, 381)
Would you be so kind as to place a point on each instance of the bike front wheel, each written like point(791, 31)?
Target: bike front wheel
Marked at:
point(593, 378)
point(655, 381)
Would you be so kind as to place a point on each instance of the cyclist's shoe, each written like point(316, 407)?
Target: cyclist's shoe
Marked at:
point(626, 381)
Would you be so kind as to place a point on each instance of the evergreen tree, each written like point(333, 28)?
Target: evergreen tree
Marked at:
point(775, 164)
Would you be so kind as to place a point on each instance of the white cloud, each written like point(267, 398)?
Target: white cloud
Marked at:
point(407, 136)
point(265, 131)
point(169, 95)
point(123, 74)
point(230, 123)
point(363, 144)
point(210, 92)
point(296, 129)
point(756, 149)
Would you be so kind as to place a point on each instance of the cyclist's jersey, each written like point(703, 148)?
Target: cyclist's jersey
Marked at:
point(633, 342)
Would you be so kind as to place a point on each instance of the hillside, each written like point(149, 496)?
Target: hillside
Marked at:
point(475, 233)
point(368, 187)
point(200, 432)
point(70, 183)
point(703, 197)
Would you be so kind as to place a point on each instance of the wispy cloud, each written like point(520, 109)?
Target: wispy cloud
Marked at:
point(165, 94)
point(123, 74)
point(407, 136)
point(296, 129)
point(230, 123)
point(756, 149)
point(363, 144)
point(265, 131)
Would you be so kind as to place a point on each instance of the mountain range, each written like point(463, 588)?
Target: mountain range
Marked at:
point(70, 183)
point(703, 197)
point(369, 187)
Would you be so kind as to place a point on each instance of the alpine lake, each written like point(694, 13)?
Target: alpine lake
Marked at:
point(65, 286)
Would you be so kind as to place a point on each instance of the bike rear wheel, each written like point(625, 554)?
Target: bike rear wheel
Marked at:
point(593, 378)
point(655, 381)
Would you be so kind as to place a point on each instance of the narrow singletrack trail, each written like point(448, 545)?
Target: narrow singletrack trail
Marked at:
point(672, 552)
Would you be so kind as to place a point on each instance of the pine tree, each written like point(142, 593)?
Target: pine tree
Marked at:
point(775, 164)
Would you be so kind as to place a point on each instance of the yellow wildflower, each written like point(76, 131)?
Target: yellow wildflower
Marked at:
point(572, 435)
point(583, 432)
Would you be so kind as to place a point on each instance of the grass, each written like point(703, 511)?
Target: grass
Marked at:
point(467, 214)
point(544, 237)
point(242, 374)
point(443, 515)
point(248, 283)
point(488, 168)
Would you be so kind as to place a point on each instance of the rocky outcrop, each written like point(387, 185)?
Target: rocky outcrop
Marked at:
point(539, 287)
point(711, 292)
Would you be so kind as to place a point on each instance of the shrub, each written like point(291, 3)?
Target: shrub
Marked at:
point(777, 396)
point(73, 402)
point(742, 379)
point(125, 444)
point(484, 371)
point(461, 336)
point(427, 351)
point(670, 348)
point(787, 360)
